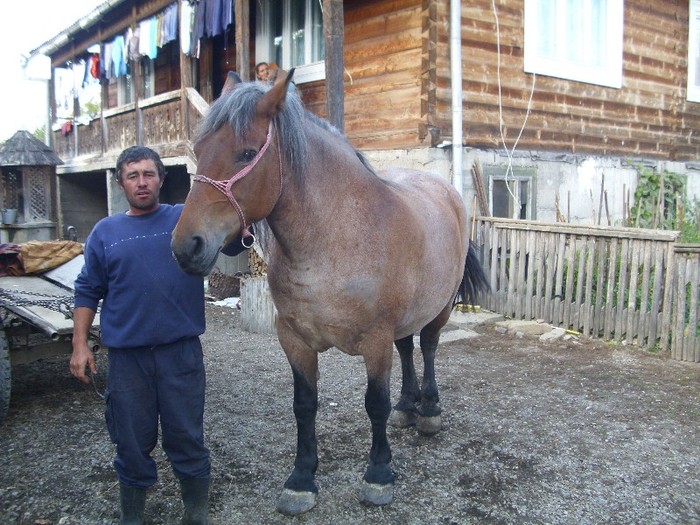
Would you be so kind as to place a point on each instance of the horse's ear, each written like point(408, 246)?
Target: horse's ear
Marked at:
point(273, 100)
point(232, 80)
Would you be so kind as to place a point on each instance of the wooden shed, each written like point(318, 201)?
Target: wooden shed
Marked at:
point(27, 189)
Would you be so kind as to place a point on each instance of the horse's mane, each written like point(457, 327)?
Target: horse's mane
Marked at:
point(237, 109)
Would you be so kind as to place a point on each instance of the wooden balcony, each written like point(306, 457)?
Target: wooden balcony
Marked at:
point(165, 122)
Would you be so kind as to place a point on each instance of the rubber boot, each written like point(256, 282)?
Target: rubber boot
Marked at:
point(133, 503)
point(195, 496)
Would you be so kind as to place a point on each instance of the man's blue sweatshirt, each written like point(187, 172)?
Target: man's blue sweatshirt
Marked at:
point(147, 299)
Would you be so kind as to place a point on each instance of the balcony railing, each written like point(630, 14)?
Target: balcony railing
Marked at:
point(166, 120)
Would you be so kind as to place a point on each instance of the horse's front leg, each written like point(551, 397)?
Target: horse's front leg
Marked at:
point(299, 494)
point(377, 488)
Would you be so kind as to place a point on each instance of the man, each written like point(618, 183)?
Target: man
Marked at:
point(151, 319)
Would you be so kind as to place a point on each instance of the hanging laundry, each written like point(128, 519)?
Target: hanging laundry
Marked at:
point(199, 19)
point(186, 20)
point(95, 66)
point(169, 24)
point(106, 62)
point(132, 37)
point(119, 56)
point(226, 14)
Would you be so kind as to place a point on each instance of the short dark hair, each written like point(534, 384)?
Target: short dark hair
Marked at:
point(135, 154)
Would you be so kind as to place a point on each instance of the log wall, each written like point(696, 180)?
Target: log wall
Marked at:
point(648, 117)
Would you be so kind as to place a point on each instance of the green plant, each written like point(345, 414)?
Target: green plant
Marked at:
point(657, 200)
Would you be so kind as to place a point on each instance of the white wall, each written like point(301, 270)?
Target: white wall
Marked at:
point(574, 178)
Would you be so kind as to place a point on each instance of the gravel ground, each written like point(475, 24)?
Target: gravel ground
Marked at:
point(566, 432)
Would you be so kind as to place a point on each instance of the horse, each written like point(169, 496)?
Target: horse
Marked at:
point(358, 260)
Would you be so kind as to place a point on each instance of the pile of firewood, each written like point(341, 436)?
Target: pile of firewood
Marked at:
point(222, 286)
point(256, 264)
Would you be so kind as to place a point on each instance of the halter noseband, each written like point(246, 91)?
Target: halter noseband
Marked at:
point(224, 186)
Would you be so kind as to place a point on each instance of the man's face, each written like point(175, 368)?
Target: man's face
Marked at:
point(263, 72)
point(141, 185)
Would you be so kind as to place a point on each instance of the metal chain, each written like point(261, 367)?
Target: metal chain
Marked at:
point(58, 303)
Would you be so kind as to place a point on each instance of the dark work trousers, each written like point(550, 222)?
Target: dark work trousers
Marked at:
point(148, 383)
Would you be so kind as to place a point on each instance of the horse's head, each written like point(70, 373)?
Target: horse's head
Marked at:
point(239, 172)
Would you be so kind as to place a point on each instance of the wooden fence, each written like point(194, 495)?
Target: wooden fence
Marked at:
point(611, 283)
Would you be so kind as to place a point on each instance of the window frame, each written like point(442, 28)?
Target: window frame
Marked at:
point(516, 177)
point(309, 72)
point(608, 74)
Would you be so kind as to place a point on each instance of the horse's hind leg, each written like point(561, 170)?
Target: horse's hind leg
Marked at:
point(429, 421)
point(377, 488)
point(404, 413)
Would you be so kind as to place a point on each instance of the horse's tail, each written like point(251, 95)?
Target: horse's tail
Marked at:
point(474, 283)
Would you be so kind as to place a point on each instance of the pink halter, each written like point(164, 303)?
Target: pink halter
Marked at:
point(224, 186)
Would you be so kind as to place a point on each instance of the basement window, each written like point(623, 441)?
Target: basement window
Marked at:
point(694, 52)
point(577, 40)
point(511, 195)
point(289, 33)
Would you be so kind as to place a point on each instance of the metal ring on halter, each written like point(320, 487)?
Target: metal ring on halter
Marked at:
point(250, 236)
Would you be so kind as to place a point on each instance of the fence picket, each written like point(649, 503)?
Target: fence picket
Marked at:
point(609, 324)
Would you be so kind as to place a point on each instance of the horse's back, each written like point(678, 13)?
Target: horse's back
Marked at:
point(434, 195)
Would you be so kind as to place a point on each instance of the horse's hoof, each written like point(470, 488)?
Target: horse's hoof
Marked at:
point(429, 425)
point(375, 494)
point(402, 418)
point(292, 502)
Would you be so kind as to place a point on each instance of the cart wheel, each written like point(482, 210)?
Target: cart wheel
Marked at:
point(5, 375)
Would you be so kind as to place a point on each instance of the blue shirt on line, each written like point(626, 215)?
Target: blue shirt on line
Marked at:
point(147, 299)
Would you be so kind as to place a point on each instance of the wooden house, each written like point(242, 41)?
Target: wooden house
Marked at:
point(560, 102)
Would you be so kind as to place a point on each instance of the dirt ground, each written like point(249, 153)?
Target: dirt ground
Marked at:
point(567, 432)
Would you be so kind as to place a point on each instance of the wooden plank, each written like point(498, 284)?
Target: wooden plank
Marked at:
point(588, 278)
point(523, 262)
point(598, 321)
point(635, 248)
point(570, 278)
point(534, 253)
point(669, 283)
point(678, 350)
point(512, 244)
point(559, 280)
point(692, 340)
point(547, 277)
point(609, 324)
point(501, 270)
point(620, 326)
point(657, 293)
point(645, 299)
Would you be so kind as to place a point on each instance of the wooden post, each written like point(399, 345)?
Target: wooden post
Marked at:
point(242, 21)
point(186, 80)
point(333, 33)
point(206, 64)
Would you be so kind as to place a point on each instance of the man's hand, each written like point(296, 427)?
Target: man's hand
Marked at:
point(82, 359)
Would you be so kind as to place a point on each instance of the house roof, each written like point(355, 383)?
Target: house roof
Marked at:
point(85, 23)
point(23, 149)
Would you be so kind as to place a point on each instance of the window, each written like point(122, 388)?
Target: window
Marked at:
point(575, 39)
point(290, 34)
point(125, 89)
point(694, 52)
point(510, 195)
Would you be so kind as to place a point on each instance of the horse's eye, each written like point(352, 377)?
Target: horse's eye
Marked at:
point(247, 156)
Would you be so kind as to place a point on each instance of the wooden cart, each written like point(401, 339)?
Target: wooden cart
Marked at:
point(37, 322)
